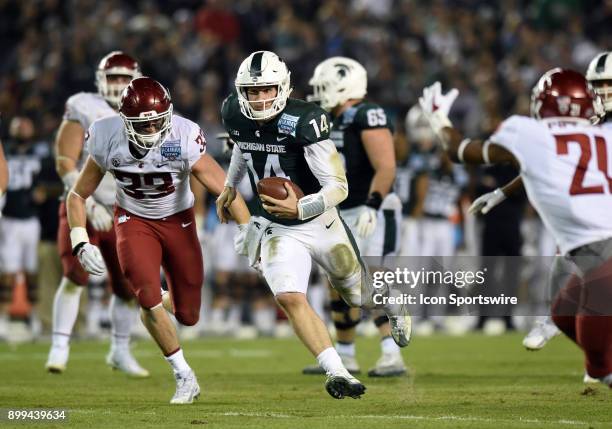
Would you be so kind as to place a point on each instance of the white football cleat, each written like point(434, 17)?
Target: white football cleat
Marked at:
point(388, 365)
point(401, 329)
point(344, 384)
point(187, 388)
point(542, 332)
point(123, 360)
point(589, 380)
point(57, 360)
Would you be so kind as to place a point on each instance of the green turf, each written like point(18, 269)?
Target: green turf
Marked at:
point(469, 382)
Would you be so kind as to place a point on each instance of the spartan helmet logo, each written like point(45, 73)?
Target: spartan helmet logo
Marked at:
point(342, 70)
point(564, 104)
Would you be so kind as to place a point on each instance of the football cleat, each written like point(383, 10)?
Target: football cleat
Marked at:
point(187, 388)
point(57, 360)
point(589, 380)
point(349, 362)
point(388, 365)
point(542, 332)
point(341, 385)
point(401, 329)
point(123, 360)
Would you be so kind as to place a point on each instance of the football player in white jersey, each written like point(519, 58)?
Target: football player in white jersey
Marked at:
point(599, 75)
point(363, 137)
point(114, 73)
point(152, 153)
point(280, 136)
point(563, 160)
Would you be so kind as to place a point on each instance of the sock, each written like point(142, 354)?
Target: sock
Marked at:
point(345, 348)
point(178, 362)
point(234, 316)
point(388, 346)
point(330, 361)
point(65, 311)
point(216, 315)
point(264, 319)
point(123, 315)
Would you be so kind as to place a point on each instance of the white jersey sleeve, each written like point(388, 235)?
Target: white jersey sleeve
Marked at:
point(87, 107)
point(196, 144)
point(507, 136)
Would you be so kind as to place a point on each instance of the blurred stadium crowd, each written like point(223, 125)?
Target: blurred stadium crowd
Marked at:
point(492, 52)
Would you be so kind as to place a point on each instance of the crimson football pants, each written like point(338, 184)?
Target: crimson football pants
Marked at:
point(145, 245)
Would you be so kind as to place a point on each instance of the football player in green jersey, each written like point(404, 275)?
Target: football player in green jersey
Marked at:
point(279, 136)
point(363, 137)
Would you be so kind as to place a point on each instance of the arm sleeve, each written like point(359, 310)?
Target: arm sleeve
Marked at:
point(237, 168)
point(507, 136)
point(326, 166)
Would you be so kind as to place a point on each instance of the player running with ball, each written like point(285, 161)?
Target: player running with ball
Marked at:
point(279, 136)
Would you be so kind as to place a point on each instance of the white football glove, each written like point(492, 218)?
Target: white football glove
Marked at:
point(436, 106)
point(240, 242)
point(366, 222)
point(98, 215)
point(91, 259)
point(486, 202)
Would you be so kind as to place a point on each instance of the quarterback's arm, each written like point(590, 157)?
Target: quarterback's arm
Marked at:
point(513, 187)
point(237, 168)
point(211, 175)
point(378, 144)
point(68, 147)
point(325, 164)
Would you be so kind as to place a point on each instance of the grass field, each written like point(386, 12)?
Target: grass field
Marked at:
point(469, 382)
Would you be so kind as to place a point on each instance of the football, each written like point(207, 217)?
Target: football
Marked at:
point(274, 187)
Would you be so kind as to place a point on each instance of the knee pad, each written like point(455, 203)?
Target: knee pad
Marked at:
point(341, 315)
point(381, 320)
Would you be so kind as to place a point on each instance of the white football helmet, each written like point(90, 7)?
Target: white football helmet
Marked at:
point(600, 70)
point(263, 68)
point(417, 126)
point(336, 80)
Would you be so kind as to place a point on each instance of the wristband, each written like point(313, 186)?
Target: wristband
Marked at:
point(78, 235)
point(374, 200)
point(462, 147)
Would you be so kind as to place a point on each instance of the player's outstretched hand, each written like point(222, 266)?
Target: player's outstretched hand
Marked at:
point(436, 106)
point(486, 202)
point(98, 215)
point(91, 259)
point(225, 199)
point(366, 222)
point(284, 209)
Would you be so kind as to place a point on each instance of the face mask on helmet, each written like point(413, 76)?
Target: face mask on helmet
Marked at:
point(263, 70)
point(114, 74)
point(149, 130)
point(337, 80)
